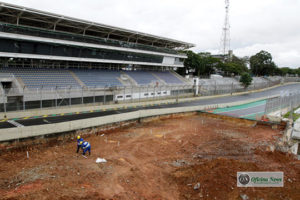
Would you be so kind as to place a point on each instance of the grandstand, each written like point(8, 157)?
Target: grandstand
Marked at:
point(49, 60)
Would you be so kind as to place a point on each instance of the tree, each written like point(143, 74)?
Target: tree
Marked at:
point(236, 66)
point(202, 64)
point(262, 64)
point(232, 68)
point(287, 71)
point(206, 64)
point(298, 71)
point(246, 79)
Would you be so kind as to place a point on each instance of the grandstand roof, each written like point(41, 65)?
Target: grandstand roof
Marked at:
point(19, 15)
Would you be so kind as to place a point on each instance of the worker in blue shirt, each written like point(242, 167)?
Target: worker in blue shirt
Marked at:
point(85, 147)
point(79, 139)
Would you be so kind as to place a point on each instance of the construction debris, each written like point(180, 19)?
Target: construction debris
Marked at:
point(100, 160)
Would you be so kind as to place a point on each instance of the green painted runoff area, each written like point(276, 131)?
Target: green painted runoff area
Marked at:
point(241, 107)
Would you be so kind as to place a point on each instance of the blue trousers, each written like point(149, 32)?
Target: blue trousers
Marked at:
point(87, 149)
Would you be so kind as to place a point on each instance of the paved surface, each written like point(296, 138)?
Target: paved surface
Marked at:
point(247, 112)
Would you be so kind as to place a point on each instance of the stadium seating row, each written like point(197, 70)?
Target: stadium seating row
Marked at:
point(51, 78)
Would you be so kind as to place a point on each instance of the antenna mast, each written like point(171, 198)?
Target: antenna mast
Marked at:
point(225, 41)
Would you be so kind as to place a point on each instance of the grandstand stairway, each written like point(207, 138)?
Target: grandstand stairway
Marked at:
point(168, 78)
point(78, 80)
point(127, 80)
point(181, 78)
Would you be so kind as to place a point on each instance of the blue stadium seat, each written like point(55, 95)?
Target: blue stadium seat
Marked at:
point(142, 77)
point(168, 77)
point(98, 77)
point(34, 78)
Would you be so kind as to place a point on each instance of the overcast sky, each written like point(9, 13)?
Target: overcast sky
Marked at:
point(271, 25)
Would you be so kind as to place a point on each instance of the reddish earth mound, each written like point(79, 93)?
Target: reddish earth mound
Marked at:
point(163, 159)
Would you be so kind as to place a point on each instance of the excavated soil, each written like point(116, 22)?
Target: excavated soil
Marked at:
point(162, 159)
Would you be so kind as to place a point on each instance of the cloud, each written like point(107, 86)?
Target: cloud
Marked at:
point(271, 25)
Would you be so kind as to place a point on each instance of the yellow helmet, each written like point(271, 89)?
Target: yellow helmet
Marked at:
point(80, 142)
point(78, 137)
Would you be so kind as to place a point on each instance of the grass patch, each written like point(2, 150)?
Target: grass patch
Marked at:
point(295, 116)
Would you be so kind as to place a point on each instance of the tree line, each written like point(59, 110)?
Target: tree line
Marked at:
point(260, 64)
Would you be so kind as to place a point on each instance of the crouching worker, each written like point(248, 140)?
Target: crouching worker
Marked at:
point(79, 139)
point(85, 147)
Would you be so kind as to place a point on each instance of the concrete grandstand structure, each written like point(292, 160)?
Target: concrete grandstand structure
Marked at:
point(51, 60)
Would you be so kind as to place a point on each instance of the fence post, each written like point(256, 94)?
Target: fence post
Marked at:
point(215, 87)
point(177, 94)
point(24, 104)
point(41, 98)
point(148, 91)
point(94, 97)
point(82, 95)
point(70, 103)
point(56, 97)
point(139, 93)
point(4, 104)
point(153, 92)
point(131, 93)
point(124, 93)
point(104, 95)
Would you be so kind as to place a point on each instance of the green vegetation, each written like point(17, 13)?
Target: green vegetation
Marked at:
point(204, 64)
point(261, 64)
point(295, 116)
point(246, 79)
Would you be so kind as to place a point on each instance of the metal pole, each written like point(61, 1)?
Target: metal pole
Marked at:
point(24, 104)
point(81, 95)
point(153, 92)
point(41, 98)
point(148, 91)
point(70, 103)
point(131, 93)
point(104, 97)
point(94, 95)
point(177, 94)
point(139, 93)
point(4, 104)
point(56, 96)
point(124, 93)
point(215, 87)
point(160, 92)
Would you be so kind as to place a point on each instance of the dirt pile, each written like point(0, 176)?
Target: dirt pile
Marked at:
point(194, 157)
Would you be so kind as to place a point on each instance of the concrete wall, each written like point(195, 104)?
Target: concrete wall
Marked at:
point(294, 148)
point(40, 130)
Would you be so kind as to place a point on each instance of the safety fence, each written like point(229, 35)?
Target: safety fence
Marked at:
point(287, 100)
point(217, 88)
point(15, 99)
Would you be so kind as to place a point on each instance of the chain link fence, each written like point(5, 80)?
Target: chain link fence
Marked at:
point(231, 85)
point(288, 100)
point(15, 99)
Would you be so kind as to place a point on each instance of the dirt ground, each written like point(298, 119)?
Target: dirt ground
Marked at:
point(163, 159)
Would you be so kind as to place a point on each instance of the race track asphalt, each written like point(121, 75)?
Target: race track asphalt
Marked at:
point(208, 101)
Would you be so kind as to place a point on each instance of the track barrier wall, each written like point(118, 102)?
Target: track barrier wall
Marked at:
point(41, 130)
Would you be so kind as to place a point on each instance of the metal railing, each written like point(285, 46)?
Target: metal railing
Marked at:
point(14, 100)
point(217, 89)
point(287, 100)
